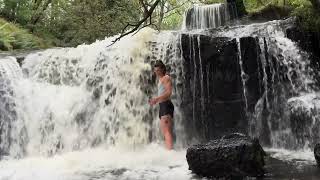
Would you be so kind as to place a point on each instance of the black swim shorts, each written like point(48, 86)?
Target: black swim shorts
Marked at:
point(166, 108)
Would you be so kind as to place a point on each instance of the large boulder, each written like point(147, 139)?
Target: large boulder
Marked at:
point(317, 153)
point(235, 155)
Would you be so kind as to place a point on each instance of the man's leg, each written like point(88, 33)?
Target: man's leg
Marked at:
point(166, 129)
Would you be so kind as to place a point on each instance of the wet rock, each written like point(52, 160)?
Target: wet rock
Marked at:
point(304, 114)
point(235, 155)
point(212, 95)
point(309, 42)
point(317, 153)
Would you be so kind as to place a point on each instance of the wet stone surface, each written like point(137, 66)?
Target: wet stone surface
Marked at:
point(235, 155)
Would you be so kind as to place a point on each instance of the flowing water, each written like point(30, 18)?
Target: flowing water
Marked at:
point(83, 113)
point(206, 16)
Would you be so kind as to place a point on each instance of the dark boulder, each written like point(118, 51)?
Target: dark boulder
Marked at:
point(235, 155)
point(317, 153)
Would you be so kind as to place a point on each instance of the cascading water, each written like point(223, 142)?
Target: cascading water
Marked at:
point(92, 97)
point(10, 73)
point(83, 113)
point(272, 69)
point(208, 16)
point(88, 96)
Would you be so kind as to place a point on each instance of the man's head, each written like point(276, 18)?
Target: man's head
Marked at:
point(159, 68)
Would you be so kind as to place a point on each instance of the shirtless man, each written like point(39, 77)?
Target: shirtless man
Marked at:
point(166, 106)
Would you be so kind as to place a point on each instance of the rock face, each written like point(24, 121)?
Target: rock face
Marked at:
point(212, 92)
point(212, 96)
point(235, 155)
point(317, 153)
point(310, 42)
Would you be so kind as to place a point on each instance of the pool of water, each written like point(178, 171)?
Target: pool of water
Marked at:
point(145, 162)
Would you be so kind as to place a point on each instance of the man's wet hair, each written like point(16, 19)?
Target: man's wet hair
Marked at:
point(160, 65)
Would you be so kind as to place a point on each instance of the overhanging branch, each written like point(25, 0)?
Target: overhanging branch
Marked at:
point(136, 26)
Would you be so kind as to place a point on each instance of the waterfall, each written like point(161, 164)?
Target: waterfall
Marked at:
point(93, 95)
point(268, 98)
point(206, 16)
point(10, 74)
point(286, 75)
point(283, 73)
point(83, 113)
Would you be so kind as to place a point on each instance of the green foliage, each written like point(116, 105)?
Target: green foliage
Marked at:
point(73, 22)
point(308, 16)
point(174, 15)
point(306, 12)
point(172, 21)
point(13, 37)
point(211, 1)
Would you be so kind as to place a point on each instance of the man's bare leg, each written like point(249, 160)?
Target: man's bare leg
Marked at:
point(166, 129)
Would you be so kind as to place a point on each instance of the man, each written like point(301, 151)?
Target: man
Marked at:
point(166, 106)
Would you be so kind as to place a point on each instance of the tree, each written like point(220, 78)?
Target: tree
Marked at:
point(144, 22)
point(38, 9)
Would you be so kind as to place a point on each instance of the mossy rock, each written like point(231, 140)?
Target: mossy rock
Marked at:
point(270, 12)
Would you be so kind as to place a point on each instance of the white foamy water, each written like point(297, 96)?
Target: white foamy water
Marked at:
point(83, 113)
point(76, 98)
point(146, 162)
point(301, 156)
point(206, 16)
point(270, 28)
point(9, 68)
point(309, 101)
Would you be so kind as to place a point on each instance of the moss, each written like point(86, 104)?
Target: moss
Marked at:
point(308, 13)
point(270, 12)
point(308, 18)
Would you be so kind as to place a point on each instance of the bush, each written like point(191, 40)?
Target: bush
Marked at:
point(13, 37)
point(308, 14)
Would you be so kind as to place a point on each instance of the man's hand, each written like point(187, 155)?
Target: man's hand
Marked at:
point(153, 101)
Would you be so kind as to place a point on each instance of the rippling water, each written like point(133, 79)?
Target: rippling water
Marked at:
point(145, 162)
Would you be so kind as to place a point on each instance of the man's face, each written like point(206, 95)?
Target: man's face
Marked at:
point(157, 71)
